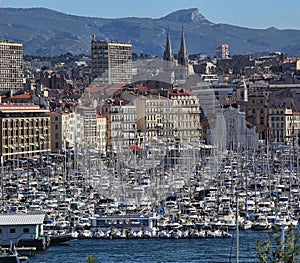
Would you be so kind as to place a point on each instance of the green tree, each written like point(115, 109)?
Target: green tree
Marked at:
point(91, 259)
point(277, 249)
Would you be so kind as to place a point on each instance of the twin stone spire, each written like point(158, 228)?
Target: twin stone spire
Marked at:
point(182, 54)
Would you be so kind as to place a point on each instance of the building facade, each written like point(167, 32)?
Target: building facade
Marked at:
point(25, 131)
point(88, 127)
point(56, 132)
point(172, 117)
point(222, 51)
point(101, 131)
point(11, 66)
point(121, 125)
point(17, 227)
point(111, 62)
point(257, 113)
point(284, 125)
point(239, 135)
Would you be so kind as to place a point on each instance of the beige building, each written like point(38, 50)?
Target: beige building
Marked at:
point(111, 62)
point(25, 131)
point(11, 66)
point(61, 131)
point(284, 125)
point(175, 116)
point(56, 131)
point(257, 113)
point(151, 116)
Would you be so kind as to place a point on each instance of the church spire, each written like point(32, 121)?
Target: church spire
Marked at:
point(183, 58)
point(168, 54)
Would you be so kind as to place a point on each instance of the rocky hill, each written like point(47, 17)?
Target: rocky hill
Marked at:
point(43, 31)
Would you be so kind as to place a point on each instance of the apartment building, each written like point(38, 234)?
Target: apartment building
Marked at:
point(56, 131)
point(88, 126)
point(82, 129)
point(222, 51)
point(62, 131)
point(257, 113)
point(25, 131)
point(284, 125)
point(101, 132)
point(175, 115)
point(111, 62)
point(11, 66)
point(152, 117)
point(121, 124)
point(186, 114)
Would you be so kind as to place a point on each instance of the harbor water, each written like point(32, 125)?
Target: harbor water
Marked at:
point(155, 250)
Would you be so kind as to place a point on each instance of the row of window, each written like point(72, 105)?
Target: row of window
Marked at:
point(13, 230)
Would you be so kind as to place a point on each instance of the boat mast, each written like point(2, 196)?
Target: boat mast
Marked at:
point(237, 228)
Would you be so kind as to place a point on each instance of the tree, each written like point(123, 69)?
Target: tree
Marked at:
point(91, 259)
point(280, 247)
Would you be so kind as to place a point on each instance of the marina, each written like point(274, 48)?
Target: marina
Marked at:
point(179, 199)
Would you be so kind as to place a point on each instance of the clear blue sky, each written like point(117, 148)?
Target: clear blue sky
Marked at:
point(246, 13)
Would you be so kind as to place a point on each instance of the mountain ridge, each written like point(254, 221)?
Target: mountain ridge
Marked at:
point(44, 31)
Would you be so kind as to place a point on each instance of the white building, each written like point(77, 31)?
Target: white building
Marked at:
point(17, 227)
point(239, 135)
point(123, 126)
point(80, 128)
point(101, 132)
point(88, 124)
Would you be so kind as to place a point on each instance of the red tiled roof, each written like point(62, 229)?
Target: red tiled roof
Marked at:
point(141, 87)
point(21, 96)
point(179, 92)
point(94, 89)
point(153, 91)
point(20, 107)
point(100, 116)
point(259, 84)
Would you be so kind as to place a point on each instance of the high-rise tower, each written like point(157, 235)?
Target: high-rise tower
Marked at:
point(11, 66)
point(111, 62)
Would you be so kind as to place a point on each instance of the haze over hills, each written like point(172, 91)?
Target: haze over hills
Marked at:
point(43, 31)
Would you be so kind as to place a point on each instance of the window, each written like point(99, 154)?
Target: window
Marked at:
point(12, 230)
point(25, 230)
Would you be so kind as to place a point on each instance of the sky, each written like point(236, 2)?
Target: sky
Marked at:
point(252, 14)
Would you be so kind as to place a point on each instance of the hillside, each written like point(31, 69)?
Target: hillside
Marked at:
point(43, 31)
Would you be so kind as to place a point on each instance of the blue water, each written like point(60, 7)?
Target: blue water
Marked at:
point(154, 250)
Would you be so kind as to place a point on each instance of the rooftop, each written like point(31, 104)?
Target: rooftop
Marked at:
point(21, 219)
